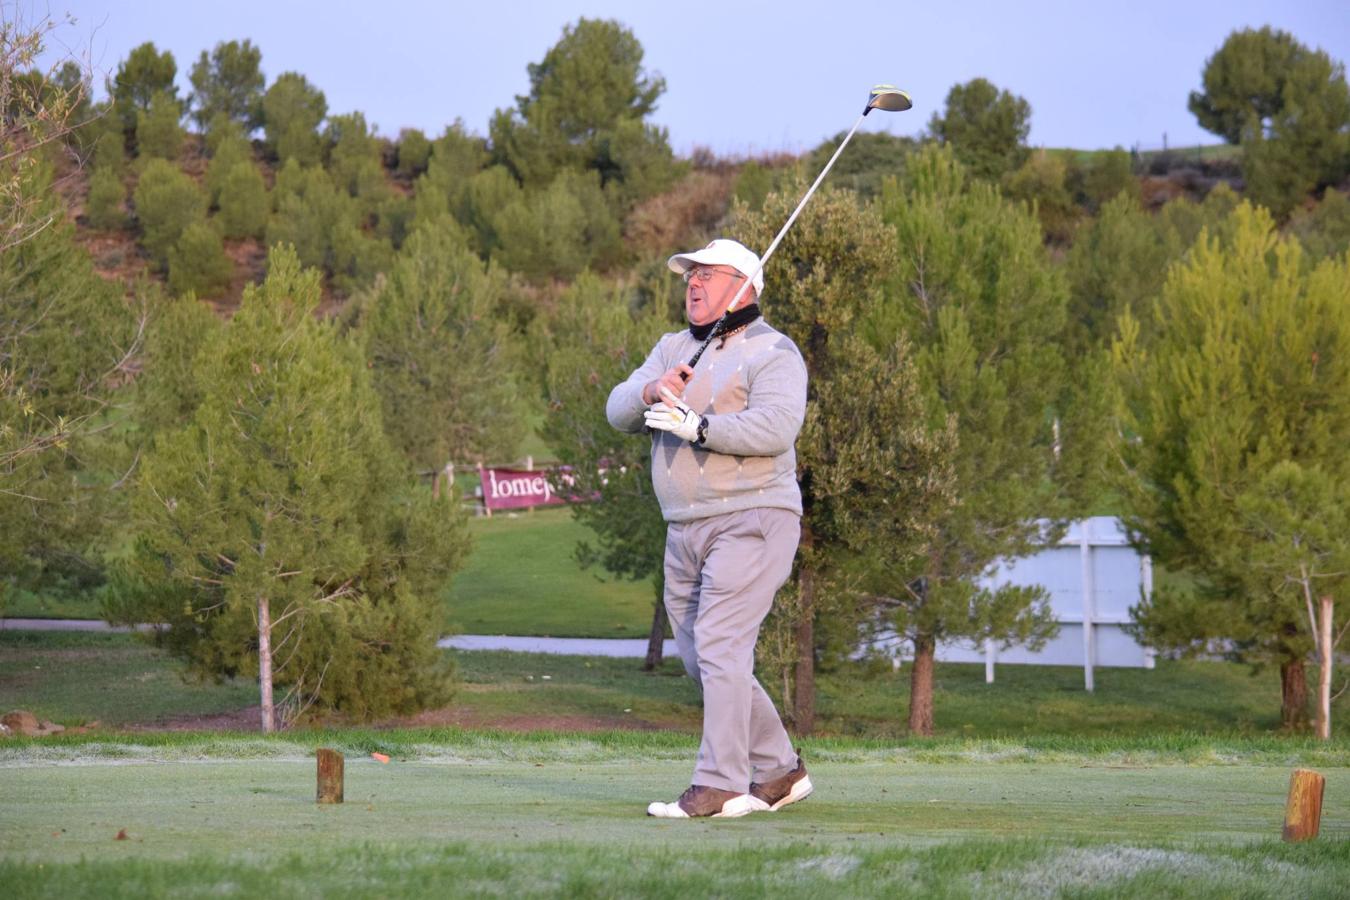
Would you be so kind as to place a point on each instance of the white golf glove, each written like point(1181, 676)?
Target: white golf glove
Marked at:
point(673, 416)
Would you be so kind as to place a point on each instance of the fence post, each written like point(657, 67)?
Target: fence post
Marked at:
point(1085, 553)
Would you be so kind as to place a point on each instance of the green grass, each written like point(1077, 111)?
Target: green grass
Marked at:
point(29, 605)
point(73, 678)
point(79, 677)
point(1198, 153)
point(459, 825)
point(523, 579)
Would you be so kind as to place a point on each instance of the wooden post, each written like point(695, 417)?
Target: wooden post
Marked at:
point(330, 776)
point(1303, 813)
point(483, 487)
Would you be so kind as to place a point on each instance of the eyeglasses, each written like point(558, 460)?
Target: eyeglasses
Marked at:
point(705, 273)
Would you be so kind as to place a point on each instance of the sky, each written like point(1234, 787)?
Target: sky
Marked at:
point(742, 78)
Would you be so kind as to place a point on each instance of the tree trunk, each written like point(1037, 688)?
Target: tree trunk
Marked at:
point(1293, 695)
point(921, 686)
point(804, 710)
point(1324, 670)
point(804, 707)
point(269, 721)
point(657, 637)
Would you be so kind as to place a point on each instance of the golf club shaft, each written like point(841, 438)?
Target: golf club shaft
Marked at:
point(735, 301)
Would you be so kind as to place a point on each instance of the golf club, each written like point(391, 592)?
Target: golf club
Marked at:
point(885, 97)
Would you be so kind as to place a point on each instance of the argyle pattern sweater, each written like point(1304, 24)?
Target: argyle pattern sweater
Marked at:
point(753, 392)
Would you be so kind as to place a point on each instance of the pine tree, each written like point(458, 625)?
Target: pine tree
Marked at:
point(456, 157)
point(158, 132)
point(829, 268)
point(596, 344)
point(882, 478)
point(243, 201)
point(1042, 183)
point(1120, 259)
point(354, 159)
point(228, 83)
point(985, 127)
point(292, 112)
point(107, 198)
point(230, 151)
point(324, 225)
point(588, 102)
point(984, 309)
point(414, 152)
point(1324, 230)
point(67, 342)
point(1249, 369)
point(440, 353)
point(177, 329)
point(140, 77)
point(278, 534)
point(198, 264)
point(1289, 108)
point(1295, 521)
point(557, 232)
point(167, 202)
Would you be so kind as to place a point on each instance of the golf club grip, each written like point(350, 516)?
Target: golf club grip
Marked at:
point(698, 354)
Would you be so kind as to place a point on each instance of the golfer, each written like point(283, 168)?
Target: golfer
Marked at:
point(725, 473)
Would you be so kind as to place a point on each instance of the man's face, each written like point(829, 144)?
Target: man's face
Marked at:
point(709, 291)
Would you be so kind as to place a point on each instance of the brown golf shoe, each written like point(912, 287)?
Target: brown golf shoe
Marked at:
point(776, 794)
point(700, 801)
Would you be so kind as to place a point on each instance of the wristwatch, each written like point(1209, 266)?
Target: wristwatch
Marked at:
point(702, 435)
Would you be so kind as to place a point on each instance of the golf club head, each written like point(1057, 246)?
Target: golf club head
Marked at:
point(889, 98)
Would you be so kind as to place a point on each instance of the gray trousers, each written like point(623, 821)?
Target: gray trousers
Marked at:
point(721, 576)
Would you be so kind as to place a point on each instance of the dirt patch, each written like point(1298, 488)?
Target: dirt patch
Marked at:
point(247, 719)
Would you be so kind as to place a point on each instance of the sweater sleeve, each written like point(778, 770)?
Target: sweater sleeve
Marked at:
point(625, 407)
point(774, 411)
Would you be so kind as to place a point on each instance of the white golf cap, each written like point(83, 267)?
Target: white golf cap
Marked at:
point(721, 252)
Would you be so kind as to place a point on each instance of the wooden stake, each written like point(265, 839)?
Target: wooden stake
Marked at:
point(1303, 813)
point(330, 776)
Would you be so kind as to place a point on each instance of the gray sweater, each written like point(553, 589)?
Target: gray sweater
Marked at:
point(753, 392)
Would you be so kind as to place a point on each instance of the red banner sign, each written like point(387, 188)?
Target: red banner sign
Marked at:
point(517, 489)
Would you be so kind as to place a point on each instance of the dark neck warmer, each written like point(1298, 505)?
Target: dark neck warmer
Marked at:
point(743, 316)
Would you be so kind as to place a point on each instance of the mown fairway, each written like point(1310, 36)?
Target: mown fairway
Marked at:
point(522, 578)
point(565, 817)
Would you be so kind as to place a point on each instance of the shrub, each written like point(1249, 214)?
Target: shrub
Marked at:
point(559, 231)
point(231, 150)
point(243, 202)
point(1324, 230)
point(198, 264)
point(106, 196)
point(414, 152)
point(167, 202)
point(158, 133)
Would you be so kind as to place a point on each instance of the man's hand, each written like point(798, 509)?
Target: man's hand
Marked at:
point(673, 416)
point(674, 380)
